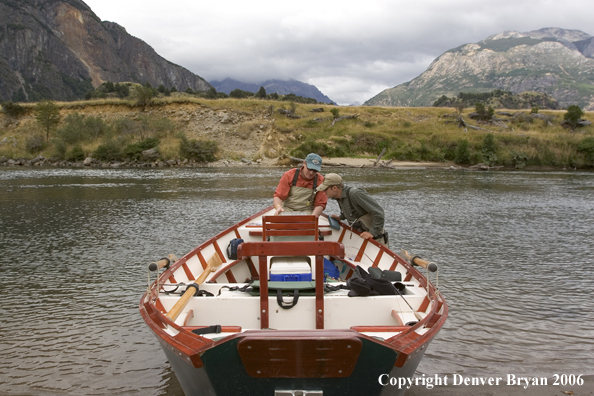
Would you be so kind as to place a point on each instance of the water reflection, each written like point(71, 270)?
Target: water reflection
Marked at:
point(514, 252)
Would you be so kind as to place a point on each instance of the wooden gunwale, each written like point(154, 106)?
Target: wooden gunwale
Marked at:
point(190, 345)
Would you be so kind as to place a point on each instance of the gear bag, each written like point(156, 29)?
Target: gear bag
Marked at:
point(232, 248)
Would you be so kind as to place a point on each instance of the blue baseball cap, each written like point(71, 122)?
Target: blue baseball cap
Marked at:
point(313, 162)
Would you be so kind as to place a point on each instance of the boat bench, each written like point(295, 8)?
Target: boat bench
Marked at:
point(236, 308)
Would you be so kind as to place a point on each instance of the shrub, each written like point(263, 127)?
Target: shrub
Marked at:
point(573, 115)
point(134, 150)
point(211, 93)
point(35, 144)
point(484, 114)
point(462, 152)
point(335, 112)
point(76, 154)
point(238, 94)
point(586, 146)
point(199, 150)
point(125, 126)
point(320, 148)
point(13, 109)
point(162, 126)
point(489, 149)
point(95, 127)
point(59, 148)
point(143, 95)
point(108, 151)
point(73, 129)
point(519, 159)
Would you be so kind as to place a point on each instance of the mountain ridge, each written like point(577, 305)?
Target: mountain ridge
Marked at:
point(555, 61)
point(281, 87)
point(61, 49)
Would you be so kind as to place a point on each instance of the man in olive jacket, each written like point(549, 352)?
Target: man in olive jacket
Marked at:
point(361, 211)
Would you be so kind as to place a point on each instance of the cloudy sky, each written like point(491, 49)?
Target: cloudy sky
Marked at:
point(350, 50)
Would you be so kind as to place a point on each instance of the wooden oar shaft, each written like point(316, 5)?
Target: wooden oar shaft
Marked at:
point(179, 306)
point(181, 303)
point(416, 260)
point(158, 264)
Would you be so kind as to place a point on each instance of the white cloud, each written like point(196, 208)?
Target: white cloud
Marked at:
point(349, 50)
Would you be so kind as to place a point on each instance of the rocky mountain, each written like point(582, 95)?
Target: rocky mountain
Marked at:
point(281, 87)
point(558, 62)
point(59, 49)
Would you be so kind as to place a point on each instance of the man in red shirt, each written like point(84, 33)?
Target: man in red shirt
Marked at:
point(296, 191)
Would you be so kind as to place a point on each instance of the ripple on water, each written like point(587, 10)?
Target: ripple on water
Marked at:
point(513, 249)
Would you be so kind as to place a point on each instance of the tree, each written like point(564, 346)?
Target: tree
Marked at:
point(211, 93)
point(484, 114)
point(13, 109)
point(573, 115)
point(47, 115)
point(261, 93)
point(462, 152)
point(144, 95)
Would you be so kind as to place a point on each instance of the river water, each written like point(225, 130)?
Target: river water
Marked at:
point(515, 251)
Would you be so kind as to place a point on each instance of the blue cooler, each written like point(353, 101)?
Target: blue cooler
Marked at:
point(290, 269)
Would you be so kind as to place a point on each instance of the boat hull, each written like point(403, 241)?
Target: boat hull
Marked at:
point(241, 338)
point(224, 373)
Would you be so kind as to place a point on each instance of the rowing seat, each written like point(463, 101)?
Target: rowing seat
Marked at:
point(290, 228)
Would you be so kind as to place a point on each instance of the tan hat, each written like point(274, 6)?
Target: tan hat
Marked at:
point(331, 179)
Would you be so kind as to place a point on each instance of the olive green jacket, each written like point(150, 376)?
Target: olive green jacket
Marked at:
point(359, 205)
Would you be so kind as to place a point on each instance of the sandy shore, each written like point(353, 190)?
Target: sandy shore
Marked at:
point(339, 162)
point(367, 162)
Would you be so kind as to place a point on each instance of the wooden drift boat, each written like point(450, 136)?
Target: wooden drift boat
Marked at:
point(277, 319)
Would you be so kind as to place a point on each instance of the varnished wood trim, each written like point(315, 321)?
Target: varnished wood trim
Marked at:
point(378, 258)
point(202, 260)
point(263, 292)
point(188, 272)
point(219, 252)
point(342, 235)
point(230, 276)
point(319, 292)
point(361, 251)
point(189, 317)
point(251, 266)
point(380, 329)
point(397, 317)
point(394, 265)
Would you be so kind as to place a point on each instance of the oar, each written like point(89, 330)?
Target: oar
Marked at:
point(211, 266)
point(398, 286)
point(416, 260)
point(164, 262)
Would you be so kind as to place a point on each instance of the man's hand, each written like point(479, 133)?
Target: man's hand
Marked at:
point(278, 210)
point(366, 235)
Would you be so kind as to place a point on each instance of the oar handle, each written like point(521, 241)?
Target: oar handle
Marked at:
point(159, 264)
point(416, 260)
point(164, 262)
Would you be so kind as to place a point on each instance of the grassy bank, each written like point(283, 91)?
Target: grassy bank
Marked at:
point(185, 127)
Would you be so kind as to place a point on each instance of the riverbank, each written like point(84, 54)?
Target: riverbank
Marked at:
point(41, 161)
point(169, 131)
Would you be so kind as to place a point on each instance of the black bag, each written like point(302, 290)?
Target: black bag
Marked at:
point(363, 284)
point(232, 248)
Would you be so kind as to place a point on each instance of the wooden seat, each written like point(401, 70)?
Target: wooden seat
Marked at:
point(290, 226)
